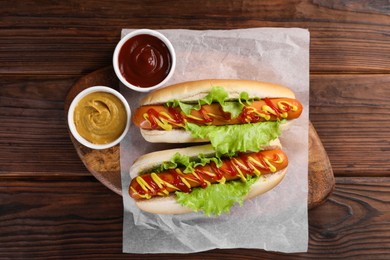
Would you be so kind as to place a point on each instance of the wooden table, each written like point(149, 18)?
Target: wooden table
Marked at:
point(50, 205)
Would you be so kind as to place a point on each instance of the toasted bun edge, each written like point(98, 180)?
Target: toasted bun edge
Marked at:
point(183, 136)
point(194, 90)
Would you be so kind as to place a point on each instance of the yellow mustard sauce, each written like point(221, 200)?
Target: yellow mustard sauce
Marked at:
point(100, 117)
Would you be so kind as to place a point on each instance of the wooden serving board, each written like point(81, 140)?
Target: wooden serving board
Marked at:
point(105, 164)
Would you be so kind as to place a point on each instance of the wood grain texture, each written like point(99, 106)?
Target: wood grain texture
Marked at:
point(33, 134)
point(51, 218)
point(73, 37)
point(52, 208)
point(351, 116)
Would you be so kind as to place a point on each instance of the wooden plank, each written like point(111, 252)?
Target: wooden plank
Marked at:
point(80, 218)
point(34, 138)
point(48, 218)
point(70, 37)
point(350, 114)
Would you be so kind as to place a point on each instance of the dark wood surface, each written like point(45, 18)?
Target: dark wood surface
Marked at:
point(50, 205)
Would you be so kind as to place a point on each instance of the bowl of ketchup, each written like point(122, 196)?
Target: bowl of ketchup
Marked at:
point(144, 60)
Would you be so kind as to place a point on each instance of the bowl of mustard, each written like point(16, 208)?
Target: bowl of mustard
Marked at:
point(99, 117)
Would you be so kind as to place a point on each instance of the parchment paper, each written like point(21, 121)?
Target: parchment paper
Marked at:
point(275, 221)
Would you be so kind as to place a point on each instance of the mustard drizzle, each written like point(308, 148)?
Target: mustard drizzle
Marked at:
point(165, 120)
point(195, 177)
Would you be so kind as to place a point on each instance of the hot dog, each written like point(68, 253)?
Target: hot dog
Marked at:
point(164, 115)
point(155, 192)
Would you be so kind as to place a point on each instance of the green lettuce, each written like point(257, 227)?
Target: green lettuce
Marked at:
point(216, 198)
point(180, 160)
point(226, 140)
point(216, 95)
point(229, 139)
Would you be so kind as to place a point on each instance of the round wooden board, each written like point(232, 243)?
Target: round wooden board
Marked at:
point(105, 164)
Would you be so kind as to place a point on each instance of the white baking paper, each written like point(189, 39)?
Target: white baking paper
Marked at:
point(275, 221)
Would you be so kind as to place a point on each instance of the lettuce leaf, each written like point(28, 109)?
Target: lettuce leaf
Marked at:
point(229, 139)
point(216, 198)
point(226, 140)
point(216, 95)
point(180, 160)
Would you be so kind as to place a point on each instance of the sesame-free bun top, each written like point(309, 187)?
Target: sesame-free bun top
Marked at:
point(195, 90)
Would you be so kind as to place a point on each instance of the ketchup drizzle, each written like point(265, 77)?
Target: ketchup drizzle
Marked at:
point(177, 117)
point(202, 182)
point(177, 181)
point(206, 117)
point(217, 171)
point(229, 167)
point(273, 107)
point(249, 114)
point(152, 115)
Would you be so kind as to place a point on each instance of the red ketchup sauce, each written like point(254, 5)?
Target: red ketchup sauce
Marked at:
point(231, 169)
point(144, 60)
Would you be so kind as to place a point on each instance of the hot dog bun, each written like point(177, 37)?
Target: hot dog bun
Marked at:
point(168, 205)
point(181, 136)
point(192, 91)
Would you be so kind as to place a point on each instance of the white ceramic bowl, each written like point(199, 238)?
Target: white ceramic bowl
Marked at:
point(72, 125)
point(152, 33)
